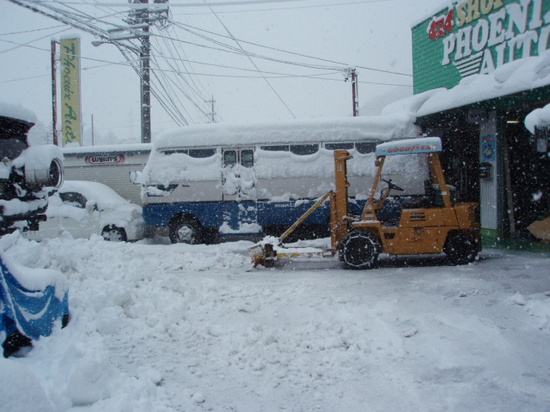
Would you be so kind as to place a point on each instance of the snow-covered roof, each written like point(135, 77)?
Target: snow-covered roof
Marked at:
point(514, 77)
point(17, 112)
point(325, 130)
point(123, 148)
point(443, 4)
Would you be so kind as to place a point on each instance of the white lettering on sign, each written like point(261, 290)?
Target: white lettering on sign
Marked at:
point(413, 148)
point(105, 159)
point(498, 34)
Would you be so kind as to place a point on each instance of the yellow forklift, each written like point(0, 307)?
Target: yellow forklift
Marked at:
point(431, 223)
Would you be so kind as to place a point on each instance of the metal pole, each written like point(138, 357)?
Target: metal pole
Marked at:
point(354, 93)
point(54, 93)
point(93, 137)
point(145, 75)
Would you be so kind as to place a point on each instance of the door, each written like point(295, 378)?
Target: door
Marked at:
point(239, 191)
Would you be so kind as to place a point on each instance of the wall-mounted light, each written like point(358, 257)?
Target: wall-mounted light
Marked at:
point(512, 121)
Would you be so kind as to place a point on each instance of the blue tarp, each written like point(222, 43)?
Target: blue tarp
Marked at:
point(34, 310)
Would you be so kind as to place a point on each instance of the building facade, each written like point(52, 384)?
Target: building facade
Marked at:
point(482, 67)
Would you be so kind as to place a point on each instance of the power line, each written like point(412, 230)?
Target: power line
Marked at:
point(229, 3)
point(254, 64)
point(345, 65)
point(16, 33)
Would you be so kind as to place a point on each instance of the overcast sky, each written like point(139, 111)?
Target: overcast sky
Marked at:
point(367, 34)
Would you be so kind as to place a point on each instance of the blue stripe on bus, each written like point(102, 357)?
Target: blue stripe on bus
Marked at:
point(215, 214)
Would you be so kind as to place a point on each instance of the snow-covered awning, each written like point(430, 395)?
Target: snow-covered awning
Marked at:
point(515, 77)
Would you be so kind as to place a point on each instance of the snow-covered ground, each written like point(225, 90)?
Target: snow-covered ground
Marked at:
point(160, 327)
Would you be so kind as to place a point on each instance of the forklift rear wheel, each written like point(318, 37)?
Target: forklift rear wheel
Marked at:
point(460, 249)
point(360, 250)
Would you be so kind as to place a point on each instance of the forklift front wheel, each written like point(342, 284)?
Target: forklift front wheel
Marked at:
point(460, 249)
point(360, 250)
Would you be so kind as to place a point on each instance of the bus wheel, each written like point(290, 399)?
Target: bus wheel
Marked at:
point(460, 249)
point(360, 250)
point(184, 230)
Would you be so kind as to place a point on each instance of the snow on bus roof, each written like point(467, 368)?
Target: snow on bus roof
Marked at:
point(380, 128)
point(14, 111)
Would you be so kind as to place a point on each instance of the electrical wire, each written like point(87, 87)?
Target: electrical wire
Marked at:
point(191, 28)
point(176, 84)
point(253, 63)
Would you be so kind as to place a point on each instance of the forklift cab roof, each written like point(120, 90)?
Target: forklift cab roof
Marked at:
point(409, 146)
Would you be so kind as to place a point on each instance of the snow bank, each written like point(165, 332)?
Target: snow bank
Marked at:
point(537, 306)
point(24, 392)
point(160, 327)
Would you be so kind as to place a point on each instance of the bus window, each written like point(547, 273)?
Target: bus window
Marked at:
point(366, 147)
point(247, 158)
point(201, 153)
point(338, 146)
point(276, 148)
point(304, 149)
point(229, 158)
point(175, 151)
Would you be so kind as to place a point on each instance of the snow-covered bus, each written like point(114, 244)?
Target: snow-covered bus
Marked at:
point(204, 182)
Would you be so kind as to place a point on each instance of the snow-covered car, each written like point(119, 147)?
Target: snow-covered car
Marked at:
point(86, 208)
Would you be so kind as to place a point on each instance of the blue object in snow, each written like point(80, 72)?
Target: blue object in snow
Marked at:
point(31, 311)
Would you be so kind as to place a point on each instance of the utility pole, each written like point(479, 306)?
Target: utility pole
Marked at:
point(137, 17)
point(54, 92)
point(352, 73)
point(156, 14)
point(93, 134)
point(212, 113)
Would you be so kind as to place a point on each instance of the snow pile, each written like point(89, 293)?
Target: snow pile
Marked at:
point(37, 159)
point(17, 112)
point(160, 327)
point(538, 306)
point(538, 118)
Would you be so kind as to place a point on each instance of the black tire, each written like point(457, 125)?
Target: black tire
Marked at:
point(360, 250)
point(460, 249)
point(183, 230)
point(114, 233)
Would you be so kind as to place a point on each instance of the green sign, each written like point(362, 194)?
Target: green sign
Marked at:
point(475, 37)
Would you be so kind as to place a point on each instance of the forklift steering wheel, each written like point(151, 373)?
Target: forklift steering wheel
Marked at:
point(392, 186)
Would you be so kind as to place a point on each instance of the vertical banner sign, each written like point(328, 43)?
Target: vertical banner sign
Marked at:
point(70, 91)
